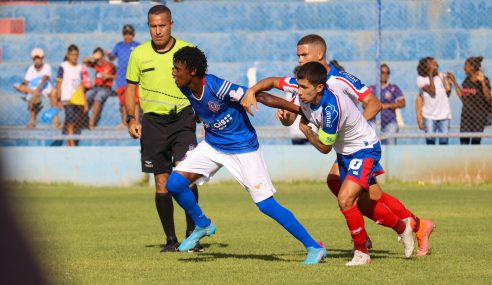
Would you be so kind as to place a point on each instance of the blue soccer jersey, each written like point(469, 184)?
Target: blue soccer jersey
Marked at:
point(227, 125)
point(122, 51)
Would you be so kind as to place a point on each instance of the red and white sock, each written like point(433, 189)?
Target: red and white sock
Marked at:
point(399, 209)
point(355, 223)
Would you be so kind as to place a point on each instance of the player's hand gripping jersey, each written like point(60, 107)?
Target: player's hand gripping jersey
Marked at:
point(339, 121)
point(227, 126)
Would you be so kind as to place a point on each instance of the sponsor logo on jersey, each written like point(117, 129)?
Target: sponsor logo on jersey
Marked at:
point(349, 76)
point(213, 106)
point(220, 124)
point(331, 114)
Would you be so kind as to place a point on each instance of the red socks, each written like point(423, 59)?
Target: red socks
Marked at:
point(355, 223)
point(380, 213)
point(399, 209)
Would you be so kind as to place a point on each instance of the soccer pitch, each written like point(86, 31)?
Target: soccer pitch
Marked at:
point(86, 235)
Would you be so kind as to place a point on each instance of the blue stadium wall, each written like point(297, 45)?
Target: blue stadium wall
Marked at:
point(238, 35)
point(120, 166)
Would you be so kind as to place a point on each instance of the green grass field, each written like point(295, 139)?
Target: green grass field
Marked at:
point(86, 235)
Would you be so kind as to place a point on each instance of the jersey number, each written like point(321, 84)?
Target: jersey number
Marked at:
point(355, 164)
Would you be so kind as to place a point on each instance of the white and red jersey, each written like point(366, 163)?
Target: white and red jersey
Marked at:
point(338, 120)
point(338, 82)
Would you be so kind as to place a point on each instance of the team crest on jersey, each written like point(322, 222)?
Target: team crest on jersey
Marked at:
point(331, 114)
point(213, 106)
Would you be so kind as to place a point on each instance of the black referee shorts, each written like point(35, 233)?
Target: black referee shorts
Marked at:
point(165, 139)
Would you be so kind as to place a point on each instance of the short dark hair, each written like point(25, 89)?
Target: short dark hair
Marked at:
point(98, 49)
point(312, 39)
point(193, 58)
point(314, 72)
point(159, 9)
point(384, 65)
point(423, 67)
point(475, 61)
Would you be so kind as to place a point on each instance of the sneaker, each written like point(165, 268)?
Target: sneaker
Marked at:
point(426, 228)
point(199, 233)
point(315, 255)
point(171, 245)
point(407, 238)
point(198, 248)
point(360, 258)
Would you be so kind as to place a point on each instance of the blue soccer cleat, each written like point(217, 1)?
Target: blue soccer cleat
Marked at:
point(315, 255)
point(199, 233)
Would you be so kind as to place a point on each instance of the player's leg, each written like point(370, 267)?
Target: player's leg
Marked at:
point(156, 158)
point(184, 140)
point(333, 179)
point(197, 168)
point(250, 170)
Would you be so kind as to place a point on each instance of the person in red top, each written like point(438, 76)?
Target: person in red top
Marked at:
point(103, 82)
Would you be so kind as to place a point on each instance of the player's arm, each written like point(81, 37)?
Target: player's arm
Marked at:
point(419, 103)
point(372, 106)
point(250, 99)
point(277, 102)
point(132, 78)
point(321, 140)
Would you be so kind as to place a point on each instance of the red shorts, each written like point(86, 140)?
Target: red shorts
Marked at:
point(121, 95)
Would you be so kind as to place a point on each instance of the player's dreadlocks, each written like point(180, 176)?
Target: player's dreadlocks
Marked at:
point(193, 58)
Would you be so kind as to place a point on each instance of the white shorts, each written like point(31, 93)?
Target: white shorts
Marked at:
point(249, 169)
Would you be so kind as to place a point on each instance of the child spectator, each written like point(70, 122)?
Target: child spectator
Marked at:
point(122, 51)
point(36, 83)
point(71, 93)
point(103, 82)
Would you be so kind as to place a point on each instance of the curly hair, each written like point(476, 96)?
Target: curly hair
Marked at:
point(475, 62)
point(423, 67)
point(193, 58)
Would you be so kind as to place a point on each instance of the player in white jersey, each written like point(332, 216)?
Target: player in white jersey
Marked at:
point(230, 141)
point(341, 127)
point(313, 48)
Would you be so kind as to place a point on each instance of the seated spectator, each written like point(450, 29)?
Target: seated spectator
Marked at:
point(36, 84)
point(391, 98)
point(122, 51)
point(435, 89)
point(103, 82)
point(476, 99)
point(70, 90)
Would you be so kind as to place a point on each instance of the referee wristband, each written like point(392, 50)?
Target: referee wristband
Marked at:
point(128, 118)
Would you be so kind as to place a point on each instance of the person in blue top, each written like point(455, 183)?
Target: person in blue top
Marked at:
point(230, 141)
point(121, 51)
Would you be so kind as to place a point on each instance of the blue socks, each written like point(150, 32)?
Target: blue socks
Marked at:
point(284, 217)
point(179, 188)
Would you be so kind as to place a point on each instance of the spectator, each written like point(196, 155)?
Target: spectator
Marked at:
point(436, 111)
point(122, 51)
point(36, 83)
point(70, 90)
point(103, 82)
point(391, 98)
point(475, 96)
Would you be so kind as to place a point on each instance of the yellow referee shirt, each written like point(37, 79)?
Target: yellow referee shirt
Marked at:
point(151, 69)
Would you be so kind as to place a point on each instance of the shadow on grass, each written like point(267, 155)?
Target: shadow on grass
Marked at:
point(347, 253)
point(210, 256)
point(204, 245)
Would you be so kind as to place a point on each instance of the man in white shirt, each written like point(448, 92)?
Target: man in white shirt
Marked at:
point(36, 84)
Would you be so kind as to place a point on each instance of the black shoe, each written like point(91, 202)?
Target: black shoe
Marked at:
point(171, 245)
point(198, 247)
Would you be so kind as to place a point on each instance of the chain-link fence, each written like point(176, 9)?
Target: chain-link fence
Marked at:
point(84, 47)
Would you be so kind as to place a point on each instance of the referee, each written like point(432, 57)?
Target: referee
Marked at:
point(168, 127)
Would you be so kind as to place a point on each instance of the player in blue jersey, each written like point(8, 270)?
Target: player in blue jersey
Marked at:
point(342, 127)
point(230, 141)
